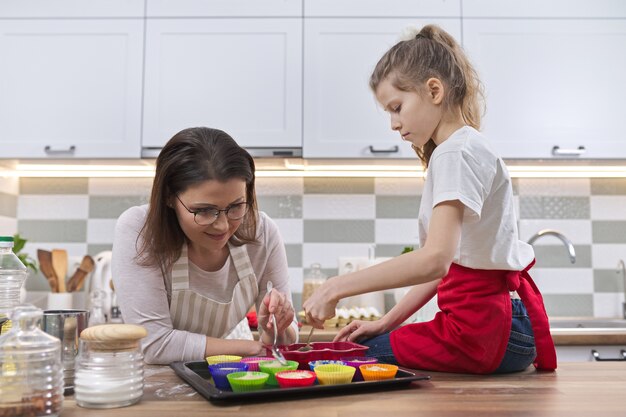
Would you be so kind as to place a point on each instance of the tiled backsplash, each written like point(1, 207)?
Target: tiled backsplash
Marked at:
point(322, 219)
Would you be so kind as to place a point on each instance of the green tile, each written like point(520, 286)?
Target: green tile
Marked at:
point(557, 256)
point(339, 185)
point(94, 249)
point(8, 205)
point(54, 185)
point(568, 305)
point(608, 280)
point(294, 255)
point(296, 297)
point(42, 231)
point(339, 231)
point(110, 207)
point(391, 250)
point(608, 231)
point(281, 206)
point(397, 207)
point(36, 282)
point(608, 186)
point(544, 207)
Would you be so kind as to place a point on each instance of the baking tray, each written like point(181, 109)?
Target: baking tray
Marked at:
point(198, 376)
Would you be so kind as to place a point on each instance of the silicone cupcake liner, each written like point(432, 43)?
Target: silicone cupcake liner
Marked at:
point(378, 371)
point(357, 361)
point(334, 374)
point(212, 360)
point(220, 370)
point(253, 362)
point(313, 364)
point(296, 378)
point(247, 381)
point(273, 366)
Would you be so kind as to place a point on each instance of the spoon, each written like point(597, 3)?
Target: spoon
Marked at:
point(275, 352)
point(307, 346)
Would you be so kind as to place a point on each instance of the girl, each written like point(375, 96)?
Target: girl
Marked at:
point(470, 254)
point(189, 265)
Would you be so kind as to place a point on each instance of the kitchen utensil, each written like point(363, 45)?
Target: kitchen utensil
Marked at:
point(307, 346)
point(59, 264)
point(77, 280)
point(45, 263)
point(275, 352)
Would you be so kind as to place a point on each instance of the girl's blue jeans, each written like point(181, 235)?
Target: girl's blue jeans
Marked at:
point(520, 351)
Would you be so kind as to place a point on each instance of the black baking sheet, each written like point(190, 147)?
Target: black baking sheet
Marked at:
point(198, 376)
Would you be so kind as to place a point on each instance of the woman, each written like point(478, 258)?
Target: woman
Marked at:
point(189, 265)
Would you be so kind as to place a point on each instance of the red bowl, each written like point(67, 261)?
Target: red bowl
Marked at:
point(295, 378)
point(321, 350)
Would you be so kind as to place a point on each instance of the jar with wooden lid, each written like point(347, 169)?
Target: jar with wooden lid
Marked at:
point(109, 366)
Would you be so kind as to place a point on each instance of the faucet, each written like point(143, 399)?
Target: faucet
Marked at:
point(622, 268)
point(561, 236)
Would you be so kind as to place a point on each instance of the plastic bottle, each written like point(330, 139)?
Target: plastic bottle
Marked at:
point(13, 273)
point(31, 381)
point(312, 281)
point(96, 312)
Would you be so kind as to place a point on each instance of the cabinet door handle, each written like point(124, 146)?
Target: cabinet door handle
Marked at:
point(596, 356)
point(394, 149)
point(557, 151)
point(48, 149)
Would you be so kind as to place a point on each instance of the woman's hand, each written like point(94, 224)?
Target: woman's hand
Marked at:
point(320, 306)
point(277, 303)
point(360, 330)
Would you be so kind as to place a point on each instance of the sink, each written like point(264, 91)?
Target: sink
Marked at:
point(588, 323)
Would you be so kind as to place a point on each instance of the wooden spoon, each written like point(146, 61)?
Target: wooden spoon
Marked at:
point(59, 264)
point(77, 280)
point(45, 263)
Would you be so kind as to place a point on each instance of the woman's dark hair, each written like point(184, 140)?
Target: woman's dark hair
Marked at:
point(190, 157)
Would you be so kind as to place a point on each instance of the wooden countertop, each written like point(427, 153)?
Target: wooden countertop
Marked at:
point(561, 336)
point(575, 389)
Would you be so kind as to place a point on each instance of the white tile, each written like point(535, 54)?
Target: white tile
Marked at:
point(8, 226)
point(554, 187)
point(338, 206)
point(608, 207)
point(9, 185)
point(578, 231)
point(295, 279)
point(100, 230)
point(73, 249)
point(563, 280)
point(608, 305)
point(607, 255)
point(402, 231)
point(279, 186)
point(52, 207)
point(291, 230)
point(120, 186)
point(399, 186)
point(327, 254)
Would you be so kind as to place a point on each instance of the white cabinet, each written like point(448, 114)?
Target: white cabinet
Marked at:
point(243, 76)
point(387, 8)
point(553, 86)
point(341, 116)
point(224, 8)
point(71, 8)
point(70, 88)
point(584, 353)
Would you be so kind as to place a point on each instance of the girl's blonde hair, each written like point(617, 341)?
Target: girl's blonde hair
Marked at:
point(433, 53)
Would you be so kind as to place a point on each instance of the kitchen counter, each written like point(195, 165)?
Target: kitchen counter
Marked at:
point(576, 389)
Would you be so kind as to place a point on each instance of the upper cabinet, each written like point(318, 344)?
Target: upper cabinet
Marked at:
point(378, 8)
point(552, 73)
point(243, 76)
point(69, 87)
point(71, 8)
point(224, 8)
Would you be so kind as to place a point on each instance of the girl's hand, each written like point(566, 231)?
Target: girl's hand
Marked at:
point(277, 303)
point(360, 330)
point(320, 306)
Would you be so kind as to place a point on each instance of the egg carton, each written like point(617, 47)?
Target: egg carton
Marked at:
point(345, 315)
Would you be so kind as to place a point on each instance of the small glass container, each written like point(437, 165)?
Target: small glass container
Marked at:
point(312, 281)
point(109, 366)
point(31, 377)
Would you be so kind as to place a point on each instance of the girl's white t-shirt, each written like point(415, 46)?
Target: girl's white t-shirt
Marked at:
point(465, 168)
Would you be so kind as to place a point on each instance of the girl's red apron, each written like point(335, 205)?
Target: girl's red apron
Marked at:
point(471, 332)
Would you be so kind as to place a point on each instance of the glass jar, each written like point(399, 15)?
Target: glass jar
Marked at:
point(312, 281)
point(109, 366)
point(31, 381)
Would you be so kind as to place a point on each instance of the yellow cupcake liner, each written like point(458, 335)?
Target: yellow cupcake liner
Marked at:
point(272, 367)
point(247, 381)
point(334, 374)
point(378, 371)
point(213, 360)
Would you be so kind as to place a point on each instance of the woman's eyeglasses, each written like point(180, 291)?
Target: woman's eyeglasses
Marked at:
point(206, 216)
